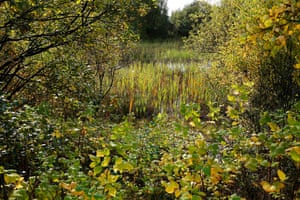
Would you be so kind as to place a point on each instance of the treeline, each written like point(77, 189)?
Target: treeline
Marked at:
point(156, 24)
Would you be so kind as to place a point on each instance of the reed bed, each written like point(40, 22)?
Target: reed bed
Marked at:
point(150, 88)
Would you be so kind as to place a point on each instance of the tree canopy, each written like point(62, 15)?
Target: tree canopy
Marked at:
point(189, 17)
point(36, 35)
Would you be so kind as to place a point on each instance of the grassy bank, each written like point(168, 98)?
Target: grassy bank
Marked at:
point(168, 51)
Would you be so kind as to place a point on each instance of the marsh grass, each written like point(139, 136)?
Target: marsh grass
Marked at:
point(168, 51)
point(148, 89)
point(164, 77)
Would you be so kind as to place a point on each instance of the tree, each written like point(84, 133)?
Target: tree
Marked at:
point(214, 30)
point(190, 16)
point(35, 35)
point(154, 24)
point(256, 41)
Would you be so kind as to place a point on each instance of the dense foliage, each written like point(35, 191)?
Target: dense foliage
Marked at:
point(42, 42)
point(155, 24)
point(190, 16)
point(179, 123)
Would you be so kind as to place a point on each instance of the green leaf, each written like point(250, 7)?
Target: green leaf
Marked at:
point(252, 164)
point(97, 170)
point(206, 170)
point(234, 197)
point(265, 118)
point(196, 197)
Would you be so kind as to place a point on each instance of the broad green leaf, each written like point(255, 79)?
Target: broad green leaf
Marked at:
point(234, 197)
point(206, 170)
point(252, 164)
point(94, 158)
point(196, 197)
point(97, 169)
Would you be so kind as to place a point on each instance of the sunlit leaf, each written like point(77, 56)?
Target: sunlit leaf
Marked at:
point(11, 178)
point(171, 187)
point(102, 153)
point(281, 175)
point(297, 66)
point(105, 162)
point(274, 127)
point(294, 152)
point(268, 187)
point(216, 174)
point(112, 191)
point(56, 134)
point(268, 23)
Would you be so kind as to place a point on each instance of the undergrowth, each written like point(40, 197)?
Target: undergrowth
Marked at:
point(43, 157)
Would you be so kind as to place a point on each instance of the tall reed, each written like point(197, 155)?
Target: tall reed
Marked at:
point(149, 88)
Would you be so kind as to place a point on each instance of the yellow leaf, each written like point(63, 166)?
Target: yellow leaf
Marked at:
point(112, 178)
point(274, 127)
point(171, 187)
point(297, 66)
point(105, 162)
point(281, 175)
point(268, 187)
point(281, 41)
point(268, 23)
point(112, 191)
point(102, 153)
point(12, 178)
point(294, 152)
point(177, 193)
point(192, 124)
point(275, 187)
point(56, 134)
point(215, 174)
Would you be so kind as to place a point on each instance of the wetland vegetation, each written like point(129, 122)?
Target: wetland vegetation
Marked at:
point(116, 100)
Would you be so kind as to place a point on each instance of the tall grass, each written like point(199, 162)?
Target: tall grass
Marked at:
point(169, 77)
point(147, 89)
point(169, 51)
